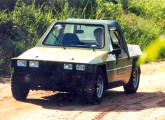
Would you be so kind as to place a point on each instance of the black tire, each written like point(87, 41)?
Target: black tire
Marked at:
point(19, 89)
point(133, 84)
point(95, 96)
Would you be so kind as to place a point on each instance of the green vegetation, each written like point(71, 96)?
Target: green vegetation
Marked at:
point(152, 51)
point(142, 21)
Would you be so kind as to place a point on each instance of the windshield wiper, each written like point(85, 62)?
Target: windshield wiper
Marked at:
point(58, 41)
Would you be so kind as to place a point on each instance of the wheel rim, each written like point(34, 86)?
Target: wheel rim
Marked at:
point(135, 78)
point(100, 86)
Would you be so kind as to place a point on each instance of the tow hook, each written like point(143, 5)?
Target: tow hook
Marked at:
point(27, 78)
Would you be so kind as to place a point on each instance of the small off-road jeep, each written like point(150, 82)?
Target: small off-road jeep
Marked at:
point(78, 55)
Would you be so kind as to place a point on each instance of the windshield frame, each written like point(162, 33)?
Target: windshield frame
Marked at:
point(102, 25)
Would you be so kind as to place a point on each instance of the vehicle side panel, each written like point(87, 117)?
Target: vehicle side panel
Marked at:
point(119, 70)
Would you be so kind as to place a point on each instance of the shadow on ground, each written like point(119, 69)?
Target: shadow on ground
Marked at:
point(112, 101)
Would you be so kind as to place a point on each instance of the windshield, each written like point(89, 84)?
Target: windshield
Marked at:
point(76, 35)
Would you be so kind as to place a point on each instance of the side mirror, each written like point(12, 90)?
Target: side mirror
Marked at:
point(115, 51)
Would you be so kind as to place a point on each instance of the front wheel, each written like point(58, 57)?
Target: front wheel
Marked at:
point(19, 90)
point(133, 84)
point(95, 96)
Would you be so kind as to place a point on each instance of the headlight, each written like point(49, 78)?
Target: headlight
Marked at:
point(80, 67)
point(68, 66)
point(21, 63)
point(34, 64)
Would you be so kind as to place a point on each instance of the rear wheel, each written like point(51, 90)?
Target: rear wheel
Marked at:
point(19, 89)
point(132, 86)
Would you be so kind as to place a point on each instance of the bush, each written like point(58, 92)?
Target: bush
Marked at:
point(152, 9)
point(21, 28)
point(138, 30)
point(109, 11)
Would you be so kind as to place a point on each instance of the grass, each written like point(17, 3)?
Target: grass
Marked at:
point(142, 22)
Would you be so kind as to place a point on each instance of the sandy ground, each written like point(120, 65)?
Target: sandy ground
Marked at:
point(147, 104)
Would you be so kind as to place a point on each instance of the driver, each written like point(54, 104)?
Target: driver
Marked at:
point(99, 37)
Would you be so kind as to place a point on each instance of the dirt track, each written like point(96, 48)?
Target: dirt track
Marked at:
point(147, 104)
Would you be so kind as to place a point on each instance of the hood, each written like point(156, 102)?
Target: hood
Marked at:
point(65, 55)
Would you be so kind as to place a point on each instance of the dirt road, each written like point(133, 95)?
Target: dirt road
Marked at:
point(147, 104)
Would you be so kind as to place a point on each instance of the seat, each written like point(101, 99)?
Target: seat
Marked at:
point(70, 39)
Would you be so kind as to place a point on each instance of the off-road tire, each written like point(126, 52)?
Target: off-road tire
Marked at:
point(133, 84)
point(95, 96)
point(19, 89)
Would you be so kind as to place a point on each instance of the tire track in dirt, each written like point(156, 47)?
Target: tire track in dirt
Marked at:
point(74, 117)
point(146, 114)
point(96, 114)
point(106, 111)
point(147, 104)
point(151, 114)
point(134, 103)
point(138, 104)
point(154, 114)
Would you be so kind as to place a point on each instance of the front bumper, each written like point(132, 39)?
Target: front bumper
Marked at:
point(52, 76)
